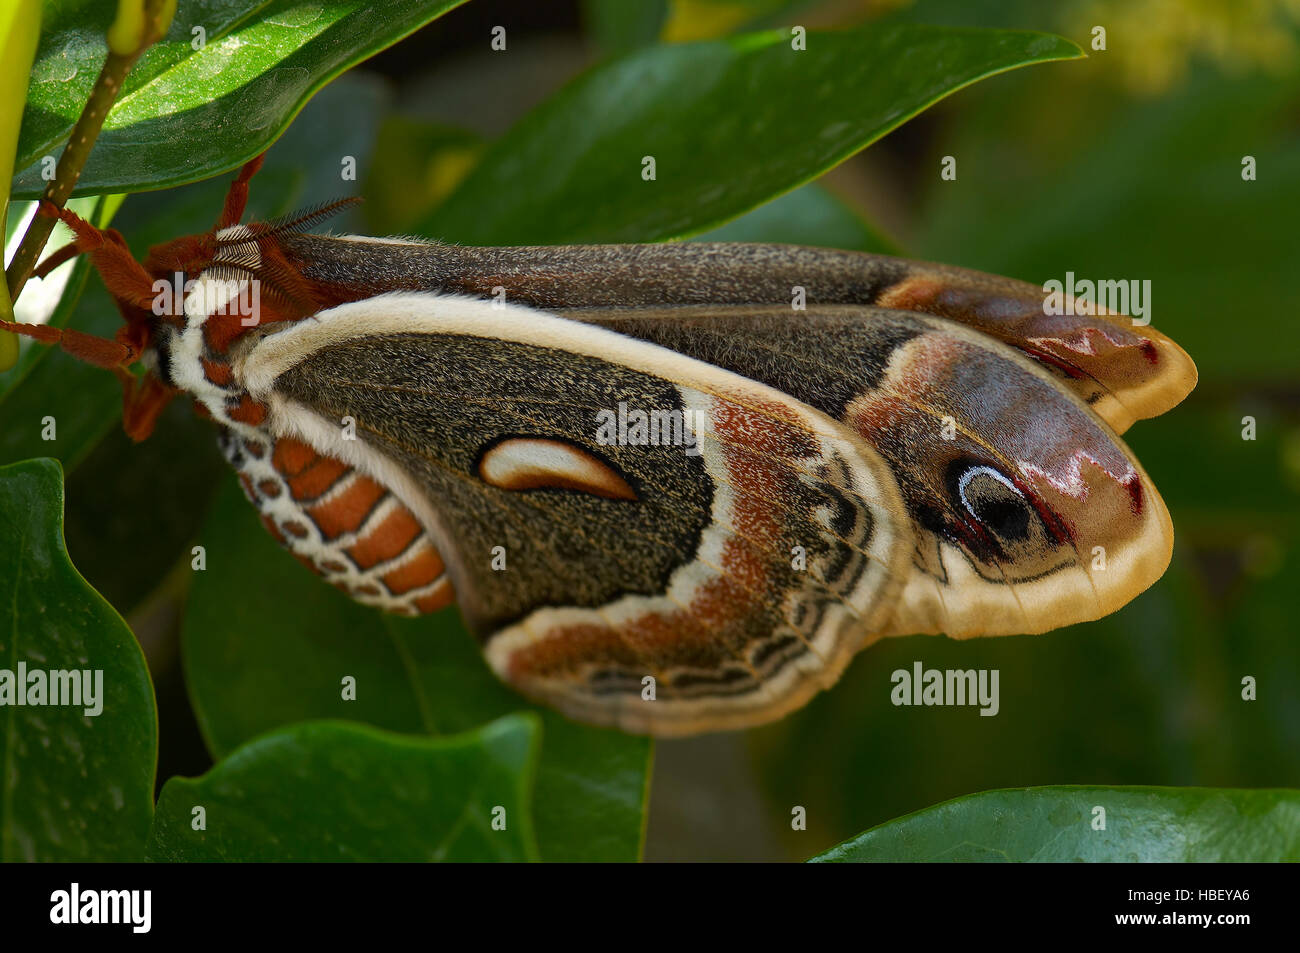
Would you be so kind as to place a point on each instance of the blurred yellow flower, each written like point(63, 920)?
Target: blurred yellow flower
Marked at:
point(1156, 41)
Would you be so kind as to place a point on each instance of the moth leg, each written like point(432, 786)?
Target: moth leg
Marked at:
point(237, 197)
point(64, 254)
point(143, 399)
point(126, 279)
point(101, 352)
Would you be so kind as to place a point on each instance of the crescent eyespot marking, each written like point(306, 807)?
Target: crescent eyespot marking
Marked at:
point(1007, 518)
point(964, 481)
point(522, 463)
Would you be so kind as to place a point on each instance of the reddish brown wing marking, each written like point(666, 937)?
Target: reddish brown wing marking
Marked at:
point(741, 641)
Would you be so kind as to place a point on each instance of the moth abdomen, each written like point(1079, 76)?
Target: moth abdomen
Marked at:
point(341, 524)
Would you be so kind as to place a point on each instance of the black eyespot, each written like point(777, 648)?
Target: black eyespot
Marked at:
point(989, 496)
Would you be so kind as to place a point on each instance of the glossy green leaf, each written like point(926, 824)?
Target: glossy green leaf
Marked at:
point(729, 124)
point(810, 215)
point(75, 786)
point(1060, 824)
point(336, 791)
point(279, 651)
point(186, 114)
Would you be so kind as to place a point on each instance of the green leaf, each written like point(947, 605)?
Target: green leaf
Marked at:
point(810, 215)
point(279, 652)
point(74, 786)
point(730, 124)
point(1055, 824)
point(187, 114)
point(618, 26)
point(335, 791)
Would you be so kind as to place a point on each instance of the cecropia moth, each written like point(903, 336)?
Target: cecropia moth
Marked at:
point(642, 466)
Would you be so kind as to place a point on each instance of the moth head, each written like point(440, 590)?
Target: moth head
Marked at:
point(152, 294)
point(187, 255)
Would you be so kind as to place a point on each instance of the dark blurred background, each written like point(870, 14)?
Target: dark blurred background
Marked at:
point(1126, 165)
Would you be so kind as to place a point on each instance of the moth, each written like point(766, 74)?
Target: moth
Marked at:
point(665, 497)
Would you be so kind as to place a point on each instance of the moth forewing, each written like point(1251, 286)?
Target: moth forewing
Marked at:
point(709, 605)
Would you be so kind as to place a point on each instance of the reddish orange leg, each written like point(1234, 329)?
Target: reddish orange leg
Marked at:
point(37, 332)
point(86, 237)
point(237, 197)
point(125, 278)
point(143, 400)
point(64, 254)
point(132, 288)
point(102, 352)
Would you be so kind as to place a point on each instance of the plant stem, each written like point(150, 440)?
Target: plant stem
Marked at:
point(80, 142)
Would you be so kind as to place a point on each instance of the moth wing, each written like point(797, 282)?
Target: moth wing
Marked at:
point(1028, 512)
point(637, 538)
point(1123, 368)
